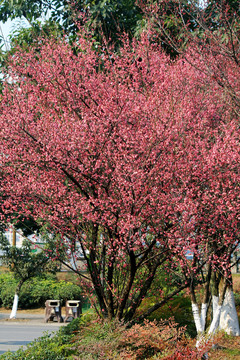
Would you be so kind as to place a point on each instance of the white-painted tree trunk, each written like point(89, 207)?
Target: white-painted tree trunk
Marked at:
point(215, 300)
point(224, 317)
point(197, 318)
point(203, 315)
point(200, 321)
point(229, 318)
point(73, 262)
point(15, 307)
point(215, 321)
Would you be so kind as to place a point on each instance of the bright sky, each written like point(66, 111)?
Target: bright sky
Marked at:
point(9, 27)
point(5, 29)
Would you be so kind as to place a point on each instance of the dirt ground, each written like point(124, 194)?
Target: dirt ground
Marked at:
point(228, 348)
point(38, 311)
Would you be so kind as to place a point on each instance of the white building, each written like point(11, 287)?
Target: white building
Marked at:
point(10, 233)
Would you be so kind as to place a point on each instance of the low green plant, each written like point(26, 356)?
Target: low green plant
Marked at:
point(56, 347)
point(43, 348)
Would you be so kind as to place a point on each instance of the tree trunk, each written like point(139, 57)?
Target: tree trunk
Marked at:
point(14, 307)
point(217, 313)
point(15, 301)
point(206, 296)
point(195, 310)
point(229, 318)
point(197, 318)
point(215, 300)
point(204, 310)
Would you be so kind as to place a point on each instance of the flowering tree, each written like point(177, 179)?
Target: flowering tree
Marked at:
point(119, 152)
point(206, 34)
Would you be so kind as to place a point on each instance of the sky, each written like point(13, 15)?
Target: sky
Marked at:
point(9, 26)
point(5, 29)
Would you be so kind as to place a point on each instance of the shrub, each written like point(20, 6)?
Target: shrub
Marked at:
point(41, 290)
point(7, 294)
point(42, 348)
point(7, 289)
point(150, 340)
point(87, 338)
point(36, 291)
point(163, 339)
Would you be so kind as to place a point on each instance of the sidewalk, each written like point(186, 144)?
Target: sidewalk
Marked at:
point(19, 332)
point(22, 318)
point(26, 317)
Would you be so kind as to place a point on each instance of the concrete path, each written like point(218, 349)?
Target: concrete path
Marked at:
point(24, 329)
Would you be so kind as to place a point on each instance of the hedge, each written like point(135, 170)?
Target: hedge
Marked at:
point(36, 291)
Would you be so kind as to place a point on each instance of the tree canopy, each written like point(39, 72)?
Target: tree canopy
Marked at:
point(106, 17)
point(130, 154)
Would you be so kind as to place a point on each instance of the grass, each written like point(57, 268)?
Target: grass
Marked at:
point(179, 308)
point(228, 349)
point(68, 276)
point(236, 283)
point(36, 311)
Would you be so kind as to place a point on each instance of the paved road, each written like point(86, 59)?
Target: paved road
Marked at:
point(19, 333)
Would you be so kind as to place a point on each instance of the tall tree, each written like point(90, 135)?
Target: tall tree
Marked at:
point(211, 46)
point(106, 17)
point(24, 264)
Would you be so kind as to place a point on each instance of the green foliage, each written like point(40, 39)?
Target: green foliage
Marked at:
point(112, 17)
point(7, 289)
point(237, 299)
point(7, 295)
point(233, 352)
point(41, 349)
point(57, 347)
point(108, 17)
point(25, 38)
point(178, 308)
point(23, 262)
point(6, 277)
point(36, 291)
point(167, 279)
point(87, 338)
point(11, 9)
